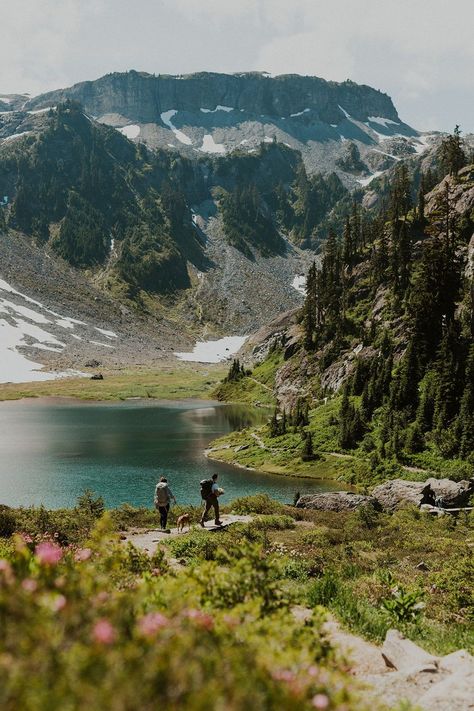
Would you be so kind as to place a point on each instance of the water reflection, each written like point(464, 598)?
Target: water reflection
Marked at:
point(50, 452)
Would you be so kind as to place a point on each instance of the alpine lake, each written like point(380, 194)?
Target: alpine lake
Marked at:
point(51, 450)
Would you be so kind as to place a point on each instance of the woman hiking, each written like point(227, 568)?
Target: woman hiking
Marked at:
point(163, 496)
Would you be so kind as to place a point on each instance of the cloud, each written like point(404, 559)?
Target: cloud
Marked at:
point(420, 54)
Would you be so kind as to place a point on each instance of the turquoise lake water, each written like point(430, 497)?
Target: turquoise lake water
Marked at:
point(51, 451)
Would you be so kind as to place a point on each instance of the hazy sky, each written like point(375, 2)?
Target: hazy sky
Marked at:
point(421, 52)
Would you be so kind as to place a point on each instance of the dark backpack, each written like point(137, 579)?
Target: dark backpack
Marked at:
point(206, 488)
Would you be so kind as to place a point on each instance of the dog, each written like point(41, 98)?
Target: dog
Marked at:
point(183, 520)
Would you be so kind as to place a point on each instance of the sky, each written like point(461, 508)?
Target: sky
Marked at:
point(420, 53)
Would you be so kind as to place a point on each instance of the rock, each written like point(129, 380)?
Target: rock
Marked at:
point(453, 693)
point(404, 655)
point(92, 363)
point(457, 661)
point(399, 493)
point(97, 376)
point(334, 501)
point(422, 566)
point(452, 493)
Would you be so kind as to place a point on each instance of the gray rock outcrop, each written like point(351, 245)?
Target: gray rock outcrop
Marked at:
point(399, 493)
point(334, 501)
point(452, 493)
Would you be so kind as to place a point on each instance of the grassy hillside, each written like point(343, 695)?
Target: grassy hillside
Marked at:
point(87, 619)
point(383, 373)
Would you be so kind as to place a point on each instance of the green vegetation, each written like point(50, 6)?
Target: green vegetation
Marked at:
point(106, 624)
point(251, 387)
point(391, 309)
point(86, 617)
point(168, 383)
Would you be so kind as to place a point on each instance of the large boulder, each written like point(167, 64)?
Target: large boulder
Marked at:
point(334, 501)
point(453, 494)
point(399, 493)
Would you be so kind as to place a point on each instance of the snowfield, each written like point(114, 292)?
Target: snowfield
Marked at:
point(299, 283)
point(214, 351)
point(210, 146)
point(218, 108)
point(131, 132)
point(366, 181)
point(27, 323)
point(383, 121)
point(300, 113)
point(166, 117)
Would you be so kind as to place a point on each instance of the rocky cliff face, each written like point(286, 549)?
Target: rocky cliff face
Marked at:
point(144, 97)
point(208, 113)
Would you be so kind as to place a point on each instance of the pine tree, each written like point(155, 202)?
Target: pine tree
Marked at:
point(453, 157)
point(308, 454)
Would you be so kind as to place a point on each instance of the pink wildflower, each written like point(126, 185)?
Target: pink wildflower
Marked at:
point(58, 603)
point(104, 632)
point(5, 566)
point(320, 701)
point(151, 623)
point(82, 554)
point(283, 675)
point(48, 553)
point(201, 618)
point(29, 585)
point(6, 571)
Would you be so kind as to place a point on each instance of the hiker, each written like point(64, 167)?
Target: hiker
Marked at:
point(209, 493)
point(163, 496)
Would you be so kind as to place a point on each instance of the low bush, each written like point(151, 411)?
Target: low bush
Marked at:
point(7, 522)
point(273, 522)
point(98, 627)
point(256, 504)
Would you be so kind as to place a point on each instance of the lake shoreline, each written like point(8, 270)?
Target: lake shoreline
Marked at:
point(172, 381)
point(210, 454)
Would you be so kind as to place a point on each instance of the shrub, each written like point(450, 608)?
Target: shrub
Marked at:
point(403, 606)
point(256, 504)
point(7, 522)
point(77, 633)
point(273, 522)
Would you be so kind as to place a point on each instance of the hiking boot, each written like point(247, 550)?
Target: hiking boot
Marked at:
point(218, 523)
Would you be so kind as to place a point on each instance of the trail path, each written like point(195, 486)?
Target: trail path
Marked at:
point(149, 540)
point(445, 685)
point(266, 387)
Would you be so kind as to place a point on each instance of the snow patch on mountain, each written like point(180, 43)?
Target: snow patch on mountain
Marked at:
point(382, 121)
point(299, 283)
point(218, 108)
point(214, 351)
point(366, 181)
point(26, 323)
point(166, 117)
point(210, 146)
point(132, 131)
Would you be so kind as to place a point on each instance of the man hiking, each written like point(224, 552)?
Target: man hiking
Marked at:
point(163, 496)
point(209, 493)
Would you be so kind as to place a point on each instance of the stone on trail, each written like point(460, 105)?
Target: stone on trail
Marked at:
point(404, 655)
point(334, 501)
point(453, 693)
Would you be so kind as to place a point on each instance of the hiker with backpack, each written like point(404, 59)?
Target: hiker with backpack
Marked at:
point(209, 493)
point(163, 496)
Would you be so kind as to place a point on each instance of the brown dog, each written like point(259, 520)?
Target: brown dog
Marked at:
point(183, 520)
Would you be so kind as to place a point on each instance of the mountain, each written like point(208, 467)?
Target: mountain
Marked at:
point(352, 129)
point(378, 366)
point(186, 242)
